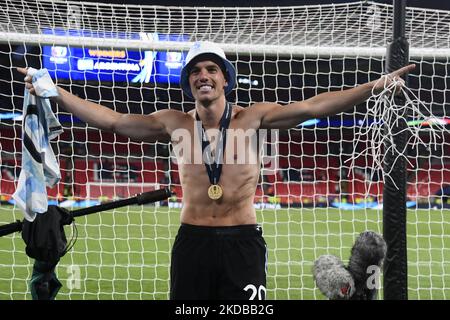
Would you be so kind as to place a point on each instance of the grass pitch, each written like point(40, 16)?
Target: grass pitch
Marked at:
point(125, 253)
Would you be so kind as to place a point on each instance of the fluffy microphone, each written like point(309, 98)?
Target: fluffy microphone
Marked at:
point(369, 250)
point(332, 279)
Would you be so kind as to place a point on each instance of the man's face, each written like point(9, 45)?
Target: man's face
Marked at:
point(207, 81)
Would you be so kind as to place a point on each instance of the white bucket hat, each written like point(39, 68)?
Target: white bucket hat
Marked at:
point(201, 48)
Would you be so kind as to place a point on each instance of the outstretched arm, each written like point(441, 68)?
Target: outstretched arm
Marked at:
point(138, 127)
point(324, 104)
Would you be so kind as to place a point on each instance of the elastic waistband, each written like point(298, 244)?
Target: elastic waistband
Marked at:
point(242, 230)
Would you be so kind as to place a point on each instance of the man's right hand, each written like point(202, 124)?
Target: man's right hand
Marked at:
point(27, 80)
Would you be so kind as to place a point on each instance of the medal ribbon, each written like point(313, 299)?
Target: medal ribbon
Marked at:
point(214, 169)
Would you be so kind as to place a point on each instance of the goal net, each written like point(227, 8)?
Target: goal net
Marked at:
point(313, 202)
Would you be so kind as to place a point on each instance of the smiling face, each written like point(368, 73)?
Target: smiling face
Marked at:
point(207, 82)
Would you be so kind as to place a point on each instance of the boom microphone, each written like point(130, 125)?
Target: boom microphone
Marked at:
point(368, 251)
point(332, 278)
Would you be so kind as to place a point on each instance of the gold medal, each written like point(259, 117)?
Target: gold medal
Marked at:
point(215, 192)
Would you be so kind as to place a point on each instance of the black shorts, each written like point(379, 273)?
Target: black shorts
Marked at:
point(218, 263)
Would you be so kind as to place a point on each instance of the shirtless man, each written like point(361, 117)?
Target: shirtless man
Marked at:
point(219, 251)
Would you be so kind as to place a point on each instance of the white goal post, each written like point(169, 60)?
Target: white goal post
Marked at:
point(127, 57)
